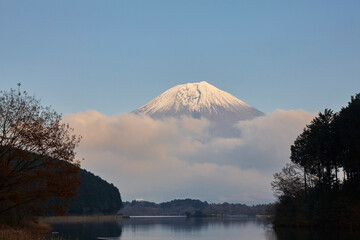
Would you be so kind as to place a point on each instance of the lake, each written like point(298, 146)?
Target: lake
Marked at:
point(176, 228)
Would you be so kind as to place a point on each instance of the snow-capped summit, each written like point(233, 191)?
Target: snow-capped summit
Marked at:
point(199, 100)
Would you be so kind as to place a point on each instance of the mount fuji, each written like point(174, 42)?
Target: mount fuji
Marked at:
point(200, 100)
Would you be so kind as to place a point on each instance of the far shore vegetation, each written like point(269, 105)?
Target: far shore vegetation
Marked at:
point(321, 185)
point(192, 208)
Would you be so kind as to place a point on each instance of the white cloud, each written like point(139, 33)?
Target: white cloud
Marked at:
point(160, 160)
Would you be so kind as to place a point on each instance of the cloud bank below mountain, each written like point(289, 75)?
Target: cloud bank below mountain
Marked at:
point(160, 160)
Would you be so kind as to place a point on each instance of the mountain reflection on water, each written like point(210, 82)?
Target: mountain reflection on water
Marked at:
point(161, 228)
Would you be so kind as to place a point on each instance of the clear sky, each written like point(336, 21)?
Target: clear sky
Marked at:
point(114, 56)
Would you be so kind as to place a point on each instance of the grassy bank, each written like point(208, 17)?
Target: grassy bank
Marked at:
point(42, 229)
point(38, 231)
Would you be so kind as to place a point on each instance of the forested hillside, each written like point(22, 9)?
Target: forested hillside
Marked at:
point(95, 196)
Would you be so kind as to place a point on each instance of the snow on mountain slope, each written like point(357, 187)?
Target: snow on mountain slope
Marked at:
point(199, 100)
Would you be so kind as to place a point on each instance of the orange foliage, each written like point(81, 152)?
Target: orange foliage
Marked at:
point(37, 157)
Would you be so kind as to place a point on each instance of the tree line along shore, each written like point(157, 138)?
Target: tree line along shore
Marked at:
point(192, 208)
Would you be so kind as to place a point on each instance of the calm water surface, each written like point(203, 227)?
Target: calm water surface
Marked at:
point(175, 228)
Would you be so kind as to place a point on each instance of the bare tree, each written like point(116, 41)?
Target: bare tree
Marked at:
point(37, 154)
point(288, 182)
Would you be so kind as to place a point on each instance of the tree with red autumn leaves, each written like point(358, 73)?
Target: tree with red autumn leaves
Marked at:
point(37, 158)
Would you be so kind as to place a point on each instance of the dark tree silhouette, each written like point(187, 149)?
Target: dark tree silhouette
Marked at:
point(328, 145)
point(347, 130)
point(37, 157)
point(314, 150)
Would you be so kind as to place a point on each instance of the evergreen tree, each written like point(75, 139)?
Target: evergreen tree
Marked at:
point(329, 144)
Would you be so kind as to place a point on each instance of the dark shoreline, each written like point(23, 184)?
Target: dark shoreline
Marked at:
point(83, 218)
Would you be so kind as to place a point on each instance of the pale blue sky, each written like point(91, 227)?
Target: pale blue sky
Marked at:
point(114, 56)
